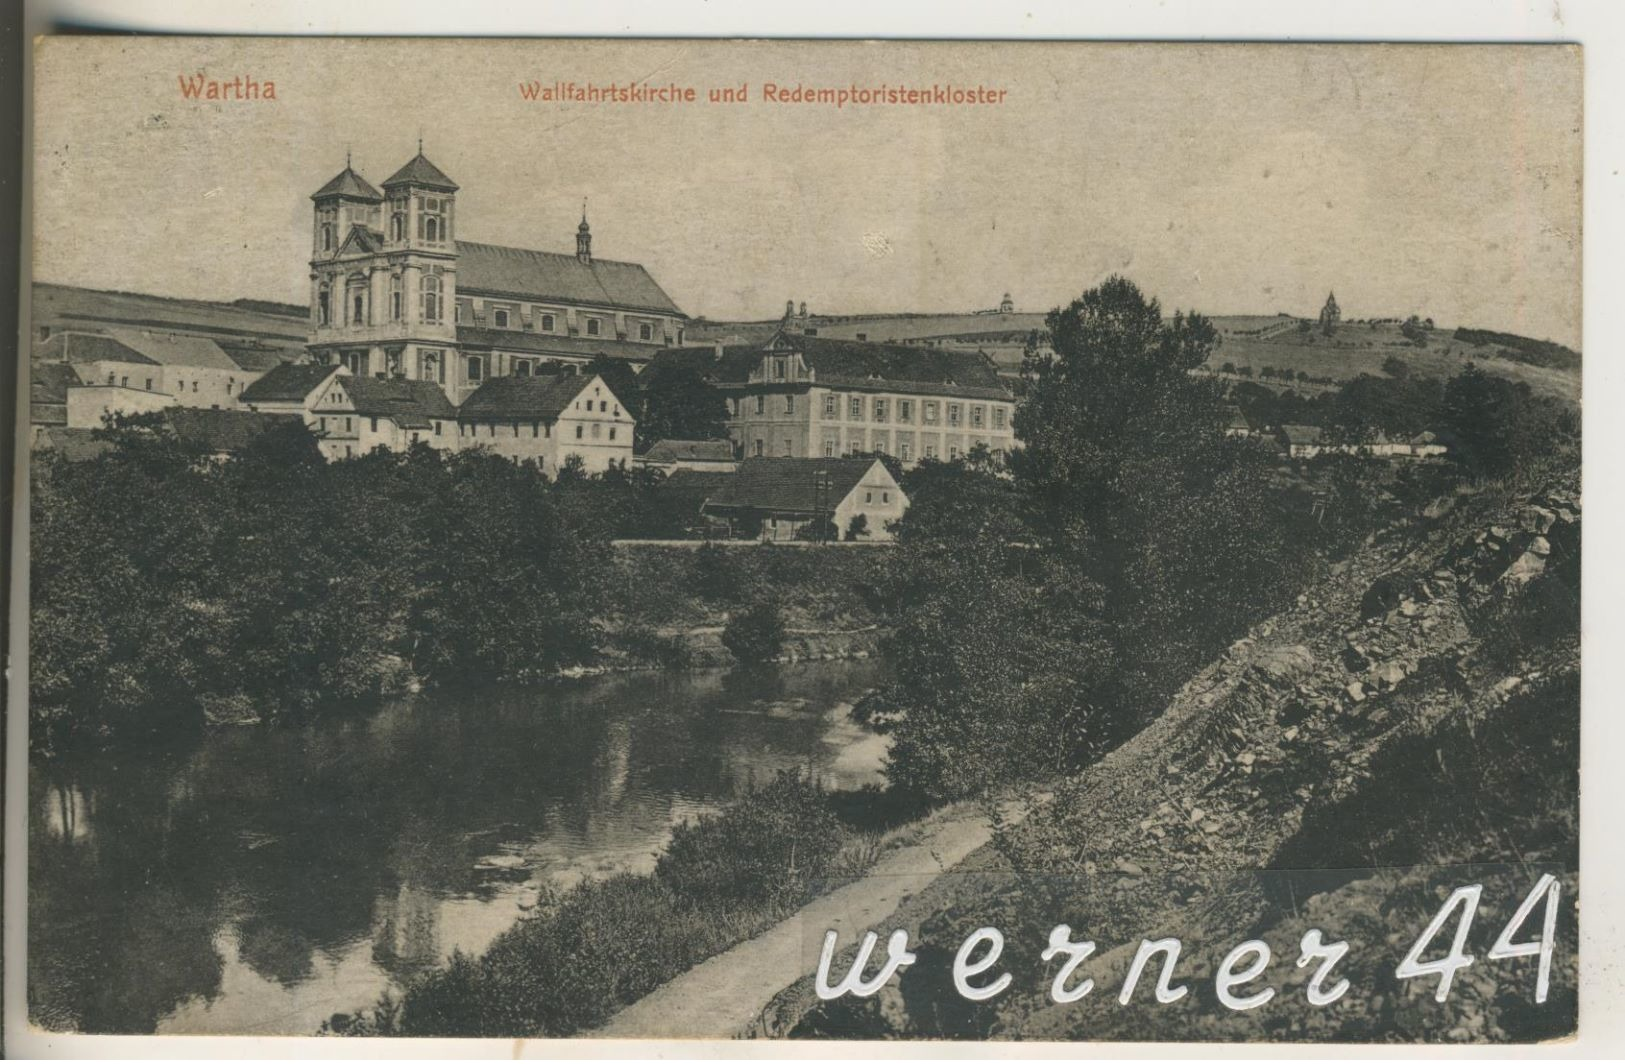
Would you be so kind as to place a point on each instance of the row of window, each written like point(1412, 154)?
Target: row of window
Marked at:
point(538, 430)
point(881, 410)
point(180, 385)
point(505, 318)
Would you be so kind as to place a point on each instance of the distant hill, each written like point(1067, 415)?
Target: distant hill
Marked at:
point(1256, 341)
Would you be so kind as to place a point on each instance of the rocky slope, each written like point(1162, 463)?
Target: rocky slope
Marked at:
point(1411, 726)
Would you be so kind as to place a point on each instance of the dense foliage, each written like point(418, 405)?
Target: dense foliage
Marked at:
point(603, 945)
point(1046, 614)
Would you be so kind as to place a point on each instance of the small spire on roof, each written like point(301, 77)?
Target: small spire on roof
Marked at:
point(346, 156)
point(420, 142)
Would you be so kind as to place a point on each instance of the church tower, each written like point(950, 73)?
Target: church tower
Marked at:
point(584, 239)
point(346, 203)
point(1330, 315)
point(420, 246)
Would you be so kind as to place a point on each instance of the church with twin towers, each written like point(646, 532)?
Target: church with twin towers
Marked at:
point(396, 295)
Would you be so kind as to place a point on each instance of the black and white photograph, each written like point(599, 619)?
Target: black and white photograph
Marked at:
point(1002, 541)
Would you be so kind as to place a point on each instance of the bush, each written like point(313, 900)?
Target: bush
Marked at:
point(609, 942)
point(858, 527)
point(764, 849)
point(755, 634)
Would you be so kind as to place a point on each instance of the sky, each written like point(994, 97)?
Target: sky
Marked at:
point(1439, 180)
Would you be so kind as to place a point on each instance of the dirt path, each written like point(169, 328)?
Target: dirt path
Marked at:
point(724, 995)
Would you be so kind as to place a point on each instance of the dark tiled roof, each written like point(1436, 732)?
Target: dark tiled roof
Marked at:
point(48, 382)
point(420, 171)
point(348, 183)
point(410, 403)
point(223, 431)
point(79, 348)
point(523, 398)
point(732, 368)
point(690, 451)
point(1301, 433)
point(791, 485)
point(76, 445)
point(290, 382)
point(258, 357)
point(544, 276)
point(690, 489)
point(479, 337)
point(851, 364)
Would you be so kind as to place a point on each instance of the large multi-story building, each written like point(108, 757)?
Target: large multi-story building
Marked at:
point(802, 396)
point(395, 293)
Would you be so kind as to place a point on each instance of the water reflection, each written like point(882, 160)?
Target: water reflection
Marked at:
point(259, 881)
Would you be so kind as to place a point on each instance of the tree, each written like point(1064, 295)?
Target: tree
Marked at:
point(1157, 539)
point(755, 635)
point(677, 403)
point(819, 530)
point(858, 527)
point(1395, 366)
point(619, 375)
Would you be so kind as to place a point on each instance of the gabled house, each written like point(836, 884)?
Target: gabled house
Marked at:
point(1300, 441)
point(355, 415)
point(547, 419)
point(291, 388)
point(776, 498)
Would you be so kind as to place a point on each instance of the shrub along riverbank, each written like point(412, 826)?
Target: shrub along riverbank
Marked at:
point(168, 588)
point(589, 952)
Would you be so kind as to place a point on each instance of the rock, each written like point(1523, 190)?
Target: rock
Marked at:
point(1524, 569)
point(1127, 867)
point(1388, 674)
point(1211, 827)
point(1409, 608)
point(1284, 664)
point(1536, 519)
point(1540, 545)
point(1290, 734)
point(1246, 757)
point(1356, 691)
point(1197, 815)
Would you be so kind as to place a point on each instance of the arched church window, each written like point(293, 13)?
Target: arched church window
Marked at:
point(397, 226)
point(323, 304)
point(327, 236)
point(476, 367)
point(397, 297)
point(355, 291)
point(429, 295)
point(431, 230)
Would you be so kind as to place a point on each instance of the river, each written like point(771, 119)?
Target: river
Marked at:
point(258, 880)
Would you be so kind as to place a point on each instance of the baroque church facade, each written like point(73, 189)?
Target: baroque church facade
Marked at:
point(395, 294)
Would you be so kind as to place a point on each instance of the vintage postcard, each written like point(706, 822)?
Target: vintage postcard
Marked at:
point(804, 540)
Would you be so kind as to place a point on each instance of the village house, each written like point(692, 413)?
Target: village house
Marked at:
point(777, 499)
point(393, 291)
point(698, 455)
point(547, 419)
point(291, 388)
point(355, 415)
point(1300, 441)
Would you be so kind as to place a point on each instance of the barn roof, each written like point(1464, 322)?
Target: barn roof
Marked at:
point(792, 485)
